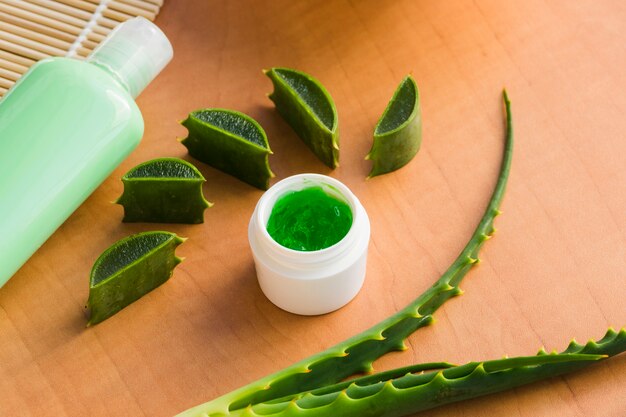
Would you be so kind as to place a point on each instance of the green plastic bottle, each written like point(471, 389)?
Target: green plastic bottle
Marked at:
point(64, 127)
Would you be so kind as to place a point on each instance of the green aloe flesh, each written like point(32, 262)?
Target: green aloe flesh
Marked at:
point(128, 270)
point(310, 111)
point(414, 390)
point(231, 142)
point(164, 190)
point(398, 134)
point(357, 353)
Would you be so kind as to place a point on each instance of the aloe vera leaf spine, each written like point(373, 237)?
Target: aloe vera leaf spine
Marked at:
point(412, 392)
point(357, 353)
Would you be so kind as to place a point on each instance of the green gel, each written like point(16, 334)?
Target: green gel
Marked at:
point(309, 220)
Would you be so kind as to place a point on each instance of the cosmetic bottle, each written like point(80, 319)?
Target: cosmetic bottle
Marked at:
point(64, 127)
point(310, 282)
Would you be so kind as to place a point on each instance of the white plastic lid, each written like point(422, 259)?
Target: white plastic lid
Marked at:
point(135, 51)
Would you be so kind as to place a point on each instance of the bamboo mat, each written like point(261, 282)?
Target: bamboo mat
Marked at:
point(31, 30)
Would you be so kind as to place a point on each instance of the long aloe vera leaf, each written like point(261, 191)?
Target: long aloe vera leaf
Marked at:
point(357, 353)
point(411, 392)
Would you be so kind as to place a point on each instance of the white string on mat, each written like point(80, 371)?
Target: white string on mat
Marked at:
point(93, 21)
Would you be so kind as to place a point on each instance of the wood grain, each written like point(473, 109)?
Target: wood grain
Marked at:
point(555, 269)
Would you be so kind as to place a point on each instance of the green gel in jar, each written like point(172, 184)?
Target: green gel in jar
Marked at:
point(309, 219)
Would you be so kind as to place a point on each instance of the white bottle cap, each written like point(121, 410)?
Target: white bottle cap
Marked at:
point(135, 51)
point(314, 282)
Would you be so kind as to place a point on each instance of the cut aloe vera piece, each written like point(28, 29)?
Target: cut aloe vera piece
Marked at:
point(231, 142)
point(163, 190)
point(398, 134)
point(129, 269)
point(308, 108)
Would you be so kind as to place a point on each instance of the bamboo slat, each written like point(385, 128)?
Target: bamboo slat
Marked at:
point(80, 4)
point(39, 19)
point(101, 30)
point(20, 50)
point(12, 66)
point(34, 36)
point(31, 30)
point(137, 4)
point(17, 59)
point(43, 11)
point(132, 10)
point(59, 7)
point(36, 27)
point(20, 41)
point(95, 37)
point(9, 75)
point(4, 83)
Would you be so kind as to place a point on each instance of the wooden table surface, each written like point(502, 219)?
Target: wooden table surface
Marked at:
point(555, 269)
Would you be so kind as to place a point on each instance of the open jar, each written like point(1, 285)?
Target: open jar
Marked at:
point(315, 281)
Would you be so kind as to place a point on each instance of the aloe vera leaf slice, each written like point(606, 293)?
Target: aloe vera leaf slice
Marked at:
point(230, 141)
point(357, 353)
point(416, 391)
point(163, 190)
point(128, 270)
point(310, 111)
point(398, 134)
